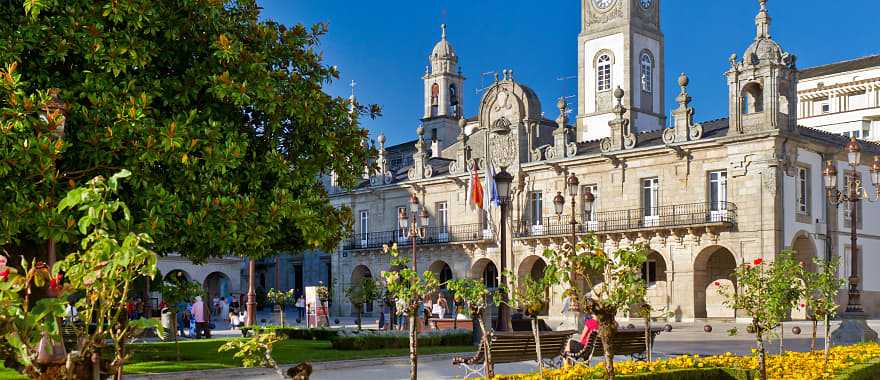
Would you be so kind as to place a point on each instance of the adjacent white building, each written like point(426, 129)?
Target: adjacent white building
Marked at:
point(842, 97)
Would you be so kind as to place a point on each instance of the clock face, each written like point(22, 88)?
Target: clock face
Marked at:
point(646, 3)
point(603, 4)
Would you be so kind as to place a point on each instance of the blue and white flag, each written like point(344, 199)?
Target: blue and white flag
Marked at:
point(491, 188)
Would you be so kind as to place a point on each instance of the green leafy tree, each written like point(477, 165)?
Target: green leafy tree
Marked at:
point(281, 299)
point(407, 286)
point(532, 297)
point(767, 293)
point(362, 293)
point(176, 291)
point(821, 290)
point(220, 115)
point(601, 284)
point(474, 294)
point(255, 351)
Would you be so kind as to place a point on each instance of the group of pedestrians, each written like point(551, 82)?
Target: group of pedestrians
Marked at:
point(194, 319)
point(430, 309)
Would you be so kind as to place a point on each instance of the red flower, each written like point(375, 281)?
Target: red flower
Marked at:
point(717, 283)
point(758, 261)
point(803, 306)
point(5, 274)
point(55, 283)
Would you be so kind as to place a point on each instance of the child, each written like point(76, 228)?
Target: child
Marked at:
point(233, 319)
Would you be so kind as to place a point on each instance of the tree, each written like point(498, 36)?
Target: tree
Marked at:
point(821, 290)
point(622, 284)
point(531, 296)
point(220, 116)
point(364, 292)
point(474, 294)
point(766, 293)
point(174, 292)
point(281, 299)
point(406, 286)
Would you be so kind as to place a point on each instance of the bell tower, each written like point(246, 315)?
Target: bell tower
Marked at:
point(443, 95)
point(620, 45)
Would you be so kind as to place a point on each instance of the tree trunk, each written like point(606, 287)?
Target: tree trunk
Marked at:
point(176, 343)
point(781, 338)
point(606, 332)
point(813, 337)
point(487, 348)
point(413, 345)
point(538, 346)
point(359, 315)
point(762, 355)
point(648, 336)
point(827, 339)
point(455, 317)
point(281, 308)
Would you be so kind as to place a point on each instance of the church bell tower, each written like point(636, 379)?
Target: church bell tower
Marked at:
point(443, 95)
point(620, 45)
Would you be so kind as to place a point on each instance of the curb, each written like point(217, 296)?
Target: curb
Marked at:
point(316, 366)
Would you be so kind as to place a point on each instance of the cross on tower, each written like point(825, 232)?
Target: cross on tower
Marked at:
point(353, 86)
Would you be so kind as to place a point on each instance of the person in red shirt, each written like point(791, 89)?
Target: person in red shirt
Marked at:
point(590, 325)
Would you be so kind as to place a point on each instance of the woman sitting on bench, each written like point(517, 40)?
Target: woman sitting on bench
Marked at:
point(590, 325)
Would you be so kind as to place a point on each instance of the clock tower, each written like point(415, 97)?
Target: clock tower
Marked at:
point(620, 45)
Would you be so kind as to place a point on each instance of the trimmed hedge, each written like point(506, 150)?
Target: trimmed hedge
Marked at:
point(696, 374)
point(372, 341)
point(296, 333)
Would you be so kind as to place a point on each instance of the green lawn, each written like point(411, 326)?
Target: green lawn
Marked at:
point(202, 354)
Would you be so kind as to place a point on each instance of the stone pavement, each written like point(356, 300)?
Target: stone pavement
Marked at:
point(684, 339)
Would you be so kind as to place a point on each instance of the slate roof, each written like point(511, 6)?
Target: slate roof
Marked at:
point(841, 67)
point(711, 129)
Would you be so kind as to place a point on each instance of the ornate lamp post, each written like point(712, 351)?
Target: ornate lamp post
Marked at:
point(854, 328)
point(414, 225)
point(502, 183)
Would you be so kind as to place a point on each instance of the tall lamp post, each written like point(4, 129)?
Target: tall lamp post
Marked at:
point(502, 184)
point(854, 327)
point(414, 225)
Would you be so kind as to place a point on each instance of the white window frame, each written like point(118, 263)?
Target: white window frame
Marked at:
point(651, 201)
point(646, 62)
point(604, 72)
point(802, 190)
point(718, 185)
point(443, 220)
point(592, 224)
point(536, 211)
point(364, 231)
point(401, 232)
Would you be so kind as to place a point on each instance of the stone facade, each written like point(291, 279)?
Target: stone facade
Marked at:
point(219, 276)
point(706, 197)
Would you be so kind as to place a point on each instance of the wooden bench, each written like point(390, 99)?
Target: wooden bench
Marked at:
point(514, 347)
point(449, 324)
point(629, 342)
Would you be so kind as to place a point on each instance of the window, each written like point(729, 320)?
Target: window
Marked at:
point(647, 63)
point(435, 99)
point(402, 217)
point(857, 101)
point(651, 197)
point(536, 208)
point(453, 100)
point(752, 98)
point(802, 189)
point(718, 190)
point(364, 225)
point(825, 107)
point(591, 217)
point(490, 276)
point(649, 272)
point(603, 73)
point(443, 218)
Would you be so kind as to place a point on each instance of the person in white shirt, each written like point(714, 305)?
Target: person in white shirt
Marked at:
point(70, 313)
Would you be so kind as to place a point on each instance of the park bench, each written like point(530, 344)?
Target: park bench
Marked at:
point(629, 342)
point(514, 347)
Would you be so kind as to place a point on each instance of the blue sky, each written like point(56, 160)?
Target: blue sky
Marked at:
point(383, 45)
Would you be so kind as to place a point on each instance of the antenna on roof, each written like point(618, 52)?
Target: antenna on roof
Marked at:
point(483, 86)
point(567, 78)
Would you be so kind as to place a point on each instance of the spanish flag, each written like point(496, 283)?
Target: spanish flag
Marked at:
point(475, 189)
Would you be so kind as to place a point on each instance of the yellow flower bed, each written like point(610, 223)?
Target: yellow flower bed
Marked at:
point(789, 366)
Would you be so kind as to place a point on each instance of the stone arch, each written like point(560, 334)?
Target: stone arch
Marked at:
point(654, 271)
point(443, 272)
point(804, 249)
point(533, 266)
point(357, 274)
point(752, 98)
point(713, 264)
point(486, 270)
point(217, 284)
point(178, 275)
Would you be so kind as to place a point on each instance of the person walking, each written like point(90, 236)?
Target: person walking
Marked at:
point(301, 307)
point(202, 316)
point(224, 309)
point(442, 306)
point(180, 316)
point(401, 314)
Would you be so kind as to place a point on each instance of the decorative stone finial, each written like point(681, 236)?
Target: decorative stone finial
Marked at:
point(381, 139)
point(618, 93)
point(420, 131)
point(683, 81)
point(561, 105)
point(619, 109)
point(763, 4)
point(443, 31)
point(762, 21)
point(462, 123)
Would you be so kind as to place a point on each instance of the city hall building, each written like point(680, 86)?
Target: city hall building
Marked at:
point(705, 196)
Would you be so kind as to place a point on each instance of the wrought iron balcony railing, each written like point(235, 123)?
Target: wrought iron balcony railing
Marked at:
point(433, 235)
point(641, 219)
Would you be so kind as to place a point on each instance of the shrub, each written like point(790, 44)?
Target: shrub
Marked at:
point(376, 340)
point(294, 333)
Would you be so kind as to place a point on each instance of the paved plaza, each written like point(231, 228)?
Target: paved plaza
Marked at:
point(684, 339)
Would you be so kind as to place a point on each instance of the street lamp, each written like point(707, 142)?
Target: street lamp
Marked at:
point(503, 180)
point(414, 225)
point(853, 329)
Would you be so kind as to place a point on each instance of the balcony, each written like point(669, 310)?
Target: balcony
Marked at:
point(464, 233)
point(693, 215)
